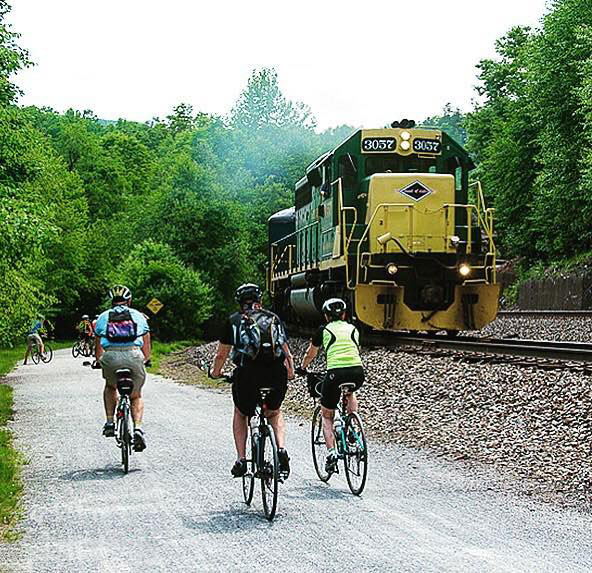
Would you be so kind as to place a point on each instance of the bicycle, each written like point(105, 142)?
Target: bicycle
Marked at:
point(84, 348)
point(263, 463)
point(123, 416)
point(124, 437)
point(350, 438)
point(46, 356)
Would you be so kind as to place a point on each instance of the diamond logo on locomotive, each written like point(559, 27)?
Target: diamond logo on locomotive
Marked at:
point(416, 191)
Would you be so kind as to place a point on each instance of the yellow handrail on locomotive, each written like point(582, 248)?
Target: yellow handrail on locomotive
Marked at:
point(346, 240)
point(486, 220)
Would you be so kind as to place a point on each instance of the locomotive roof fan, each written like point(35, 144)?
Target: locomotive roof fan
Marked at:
point(404, 124)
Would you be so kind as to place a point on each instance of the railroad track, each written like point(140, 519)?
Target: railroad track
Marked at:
point(541, 350)
point(546, 313)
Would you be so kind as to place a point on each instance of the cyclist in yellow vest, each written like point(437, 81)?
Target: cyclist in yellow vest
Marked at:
point(341, 342)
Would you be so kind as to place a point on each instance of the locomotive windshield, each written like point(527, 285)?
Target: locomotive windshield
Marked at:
point(396, 164)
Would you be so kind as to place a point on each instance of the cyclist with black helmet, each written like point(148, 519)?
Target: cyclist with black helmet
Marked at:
point(341, 342)
point(255, 368)
point(123, 341)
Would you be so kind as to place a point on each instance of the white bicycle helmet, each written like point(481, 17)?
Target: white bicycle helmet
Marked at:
point(334, 308)
point(120, 293)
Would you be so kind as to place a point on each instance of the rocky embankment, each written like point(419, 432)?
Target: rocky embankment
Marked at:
point(534, 426)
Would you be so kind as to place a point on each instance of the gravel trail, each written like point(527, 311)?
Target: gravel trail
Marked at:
point(179, 510)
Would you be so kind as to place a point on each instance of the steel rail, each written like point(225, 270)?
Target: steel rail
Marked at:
point(546, 349)
point(546, 313)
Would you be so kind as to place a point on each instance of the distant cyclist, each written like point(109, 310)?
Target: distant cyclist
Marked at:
point(85, 329)
point(34, 337)
point(341, 342)
point(255, 368)
point(123, 341)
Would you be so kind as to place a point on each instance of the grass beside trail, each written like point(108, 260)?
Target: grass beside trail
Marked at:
point(10, 485)
point(160, 349)
point(10, 460)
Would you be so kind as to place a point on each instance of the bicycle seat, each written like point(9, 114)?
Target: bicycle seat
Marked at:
point(125, 384)
point(123, 373)
point(347, 386)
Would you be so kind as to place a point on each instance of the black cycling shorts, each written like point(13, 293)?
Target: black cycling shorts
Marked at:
point(330, 391)
point(247, 380)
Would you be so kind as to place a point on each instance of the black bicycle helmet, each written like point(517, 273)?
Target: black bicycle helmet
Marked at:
point(334, 308)
point(119, 294)
point(248, 292)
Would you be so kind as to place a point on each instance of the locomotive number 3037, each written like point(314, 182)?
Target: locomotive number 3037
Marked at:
point(379, 144)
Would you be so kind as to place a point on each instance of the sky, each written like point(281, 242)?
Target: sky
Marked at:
point(361, 63)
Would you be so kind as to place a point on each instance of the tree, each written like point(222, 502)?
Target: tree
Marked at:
point(451, 120)
point(262, 104)
point(153, 270)
point(12, 57)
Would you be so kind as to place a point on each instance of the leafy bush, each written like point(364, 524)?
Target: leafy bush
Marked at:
point(153, 270)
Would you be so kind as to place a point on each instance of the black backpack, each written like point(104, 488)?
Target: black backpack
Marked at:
point(121, 326)
point(259, 337)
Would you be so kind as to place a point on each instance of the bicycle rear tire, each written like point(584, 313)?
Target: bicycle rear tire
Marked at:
point(269, 468)
point(319, 446)
point(87, 350)
point(76, 350)
point(35, 355)
point(249, 477)
point(356, 454)
point(47, 356)
point(126, 441)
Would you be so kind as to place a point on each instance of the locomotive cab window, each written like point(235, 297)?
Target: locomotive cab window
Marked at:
point(390, 164)
point(303, 196)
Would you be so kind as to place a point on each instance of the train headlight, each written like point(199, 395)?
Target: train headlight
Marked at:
point(405, 145)
point(392, 269)
point(464, 270)
point(405, 136)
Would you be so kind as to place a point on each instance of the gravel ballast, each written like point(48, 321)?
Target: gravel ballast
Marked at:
point(533, 425)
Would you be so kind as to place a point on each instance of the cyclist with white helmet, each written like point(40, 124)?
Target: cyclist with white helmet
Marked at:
point(123, 341)
point(341, 342)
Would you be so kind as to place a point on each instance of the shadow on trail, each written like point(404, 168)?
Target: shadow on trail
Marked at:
point(239, 517)
point(316, 489)
point(113, 471)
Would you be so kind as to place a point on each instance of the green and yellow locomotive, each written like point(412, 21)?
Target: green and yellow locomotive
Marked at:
point(385, 222)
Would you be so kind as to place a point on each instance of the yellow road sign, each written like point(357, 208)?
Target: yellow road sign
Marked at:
point(155, 305)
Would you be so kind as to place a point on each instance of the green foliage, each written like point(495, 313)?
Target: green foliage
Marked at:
point(531, 134)
point(153, 270)
point(451, 120)
point(12, 58)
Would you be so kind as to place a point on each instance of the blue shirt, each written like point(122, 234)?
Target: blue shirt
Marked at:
point(37, 326)
point(137, 317)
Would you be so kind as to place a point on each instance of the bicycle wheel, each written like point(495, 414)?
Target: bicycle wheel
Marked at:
point(125, 443)
point(249, 477)
point(356, 455)
point(319, 447)
point(35, 355)
point(269, 468)
point(76, 350)
point(47, 355)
